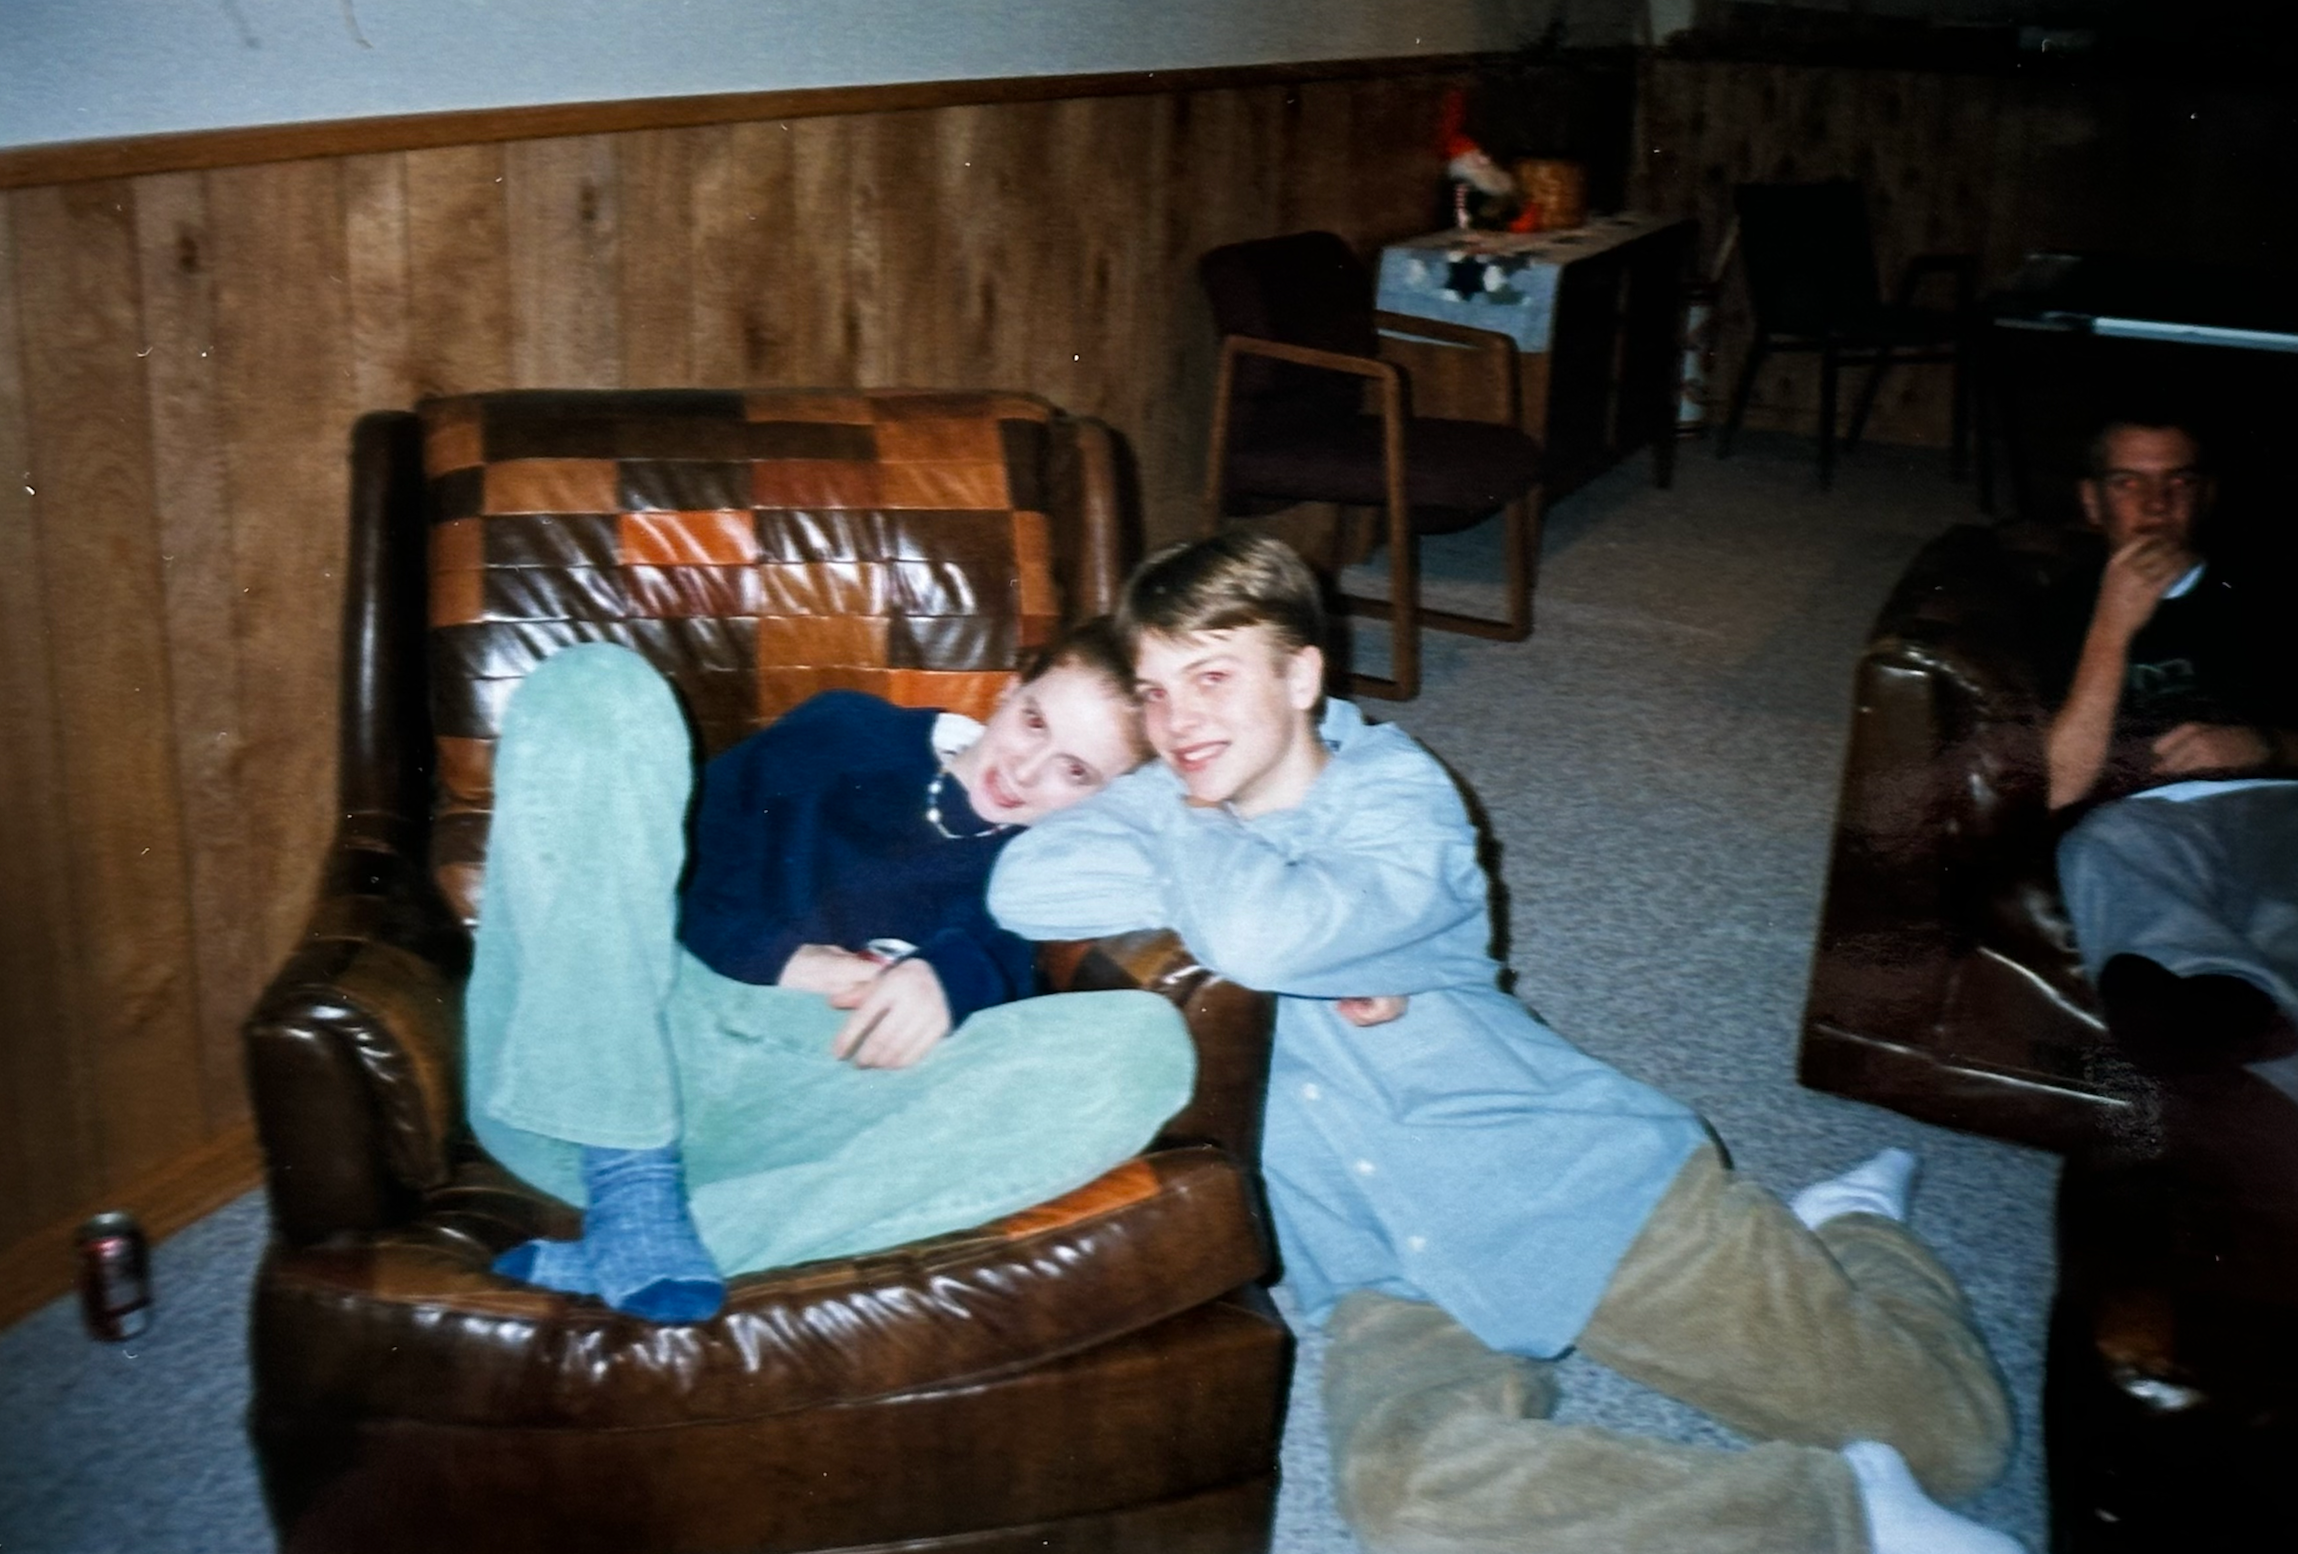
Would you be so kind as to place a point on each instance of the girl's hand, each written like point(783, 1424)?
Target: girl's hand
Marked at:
point(897, 1018)
point(828, 970)
point(1363, 1012)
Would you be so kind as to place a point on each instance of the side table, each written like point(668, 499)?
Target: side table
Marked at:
point(1596, 313)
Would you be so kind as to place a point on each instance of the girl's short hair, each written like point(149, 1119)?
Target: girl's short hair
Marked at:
point(1236, 578)
point(1093, 646)
point(1090, 645)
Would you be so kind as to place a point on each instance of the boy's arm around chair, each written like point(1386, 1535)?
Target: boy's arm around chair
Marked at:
point(1093, 901)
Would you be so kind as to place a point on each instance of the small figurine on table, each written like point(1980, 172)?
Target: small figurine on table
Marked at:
point(1484, 194)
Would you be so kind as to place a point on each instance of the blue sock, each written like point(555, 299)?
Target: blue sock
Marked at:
point(641, 1240)
point(555, 1265)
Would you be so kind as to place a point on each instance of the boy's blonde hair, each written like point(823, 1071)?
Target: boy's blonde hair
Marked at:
point(1234, 579)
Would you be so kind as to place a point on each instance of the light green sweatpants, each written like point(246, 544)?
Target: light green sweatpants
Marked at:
point(586, 1023)
point(1806, 1341)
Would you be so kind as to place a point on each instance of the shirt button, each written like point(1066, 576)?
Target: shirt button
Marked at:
point(1364, 1168)
point(1311, 1092)
point(1416, 1243)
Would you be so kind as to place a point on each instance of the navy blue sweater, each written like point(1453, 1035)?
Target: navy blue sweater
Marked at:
point(813, 831)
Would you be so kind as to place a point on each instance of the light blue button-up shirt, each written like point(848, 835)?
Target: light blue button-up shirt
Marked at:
point(1463, 1154)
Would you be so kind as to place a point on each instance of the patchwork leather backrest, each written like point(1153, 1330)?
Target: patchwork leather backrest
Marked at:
point(755, 546)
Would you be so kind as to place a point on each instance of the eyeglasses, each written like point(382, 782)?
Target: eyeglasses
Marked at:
point(2177, 482)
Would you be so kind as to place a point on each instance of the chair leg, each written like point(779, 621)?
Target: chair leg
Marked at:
point(1959, 433)
point(1526, 515)
point(1866, 401)
point(1982, 411)
point(1828, 368)
point(1217, 449)
point(1757, 349)
point(1522, 521)
point(1404, 606)
point(1401, 609)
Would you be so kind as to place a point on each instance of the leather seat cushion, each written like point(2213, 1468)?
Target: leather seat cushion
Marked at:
point(1158, 1442)
point(414, 1325)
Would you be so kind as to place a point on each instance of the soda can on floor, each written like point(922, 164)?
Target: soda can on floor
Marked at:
point(115, 1277)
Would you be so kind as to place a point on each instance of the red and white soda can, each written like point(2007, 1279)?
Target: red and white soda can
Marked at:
point(115, 1277)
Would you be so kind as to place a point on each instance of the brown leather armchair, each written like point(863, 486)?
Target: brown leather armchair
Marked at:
point(1946, 983)
point(1100, 1373)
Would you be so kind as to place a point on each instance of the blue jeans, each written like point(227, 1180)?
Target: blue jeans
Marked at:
point(2199, 885)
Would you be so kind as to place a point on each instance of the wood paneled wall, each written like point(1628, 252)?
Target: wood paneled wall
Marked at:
point(1996, 166)
point(181, 357)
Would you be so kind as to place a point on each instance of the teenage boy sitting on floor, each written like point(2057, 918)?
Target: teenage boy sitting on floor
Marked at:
point(1460, 1193)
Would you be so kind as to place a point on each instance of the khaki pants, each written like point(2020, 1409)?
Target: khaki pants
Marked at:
point(1806, 1341)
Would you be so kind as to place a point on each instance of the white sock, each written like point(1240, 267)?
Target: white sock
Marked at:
point(1877, 1186)
point(1901, 1519)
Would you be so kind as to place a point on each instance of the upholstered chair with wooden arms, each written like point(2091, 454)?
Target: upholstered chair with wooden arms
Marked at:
point(1300, 360)
point(1100, 1373)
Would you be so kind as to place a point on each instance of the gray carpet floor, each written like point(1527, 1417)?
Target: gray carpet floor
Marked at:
point(1659, 765)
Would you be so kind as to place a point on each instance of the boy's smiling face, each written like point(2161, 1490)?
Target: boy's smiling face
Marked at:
point(1229, 711)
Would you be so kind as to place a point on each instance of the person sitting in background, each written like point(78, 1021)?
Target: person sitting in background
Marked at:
point(821, 1044)
point(2175, 740)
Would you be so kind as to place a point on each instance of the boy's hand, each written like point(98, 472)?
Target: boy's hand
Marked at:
point(898, 1016)
point(2135, 578)
point(828, 970)
point(1363, 1012)
point(2203, 747)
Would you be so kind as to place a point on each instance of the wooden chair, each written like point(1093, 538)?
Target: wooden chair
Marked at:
point(1301, 341)
point(1811, 279)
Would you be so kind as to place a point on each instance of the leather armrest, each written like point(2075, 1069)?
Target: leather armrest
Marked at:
point(1960, 620)
point(1942, 803)
point(354, 1050)
point(1231, 1026)
point(1095, 536)
point(1983, 726)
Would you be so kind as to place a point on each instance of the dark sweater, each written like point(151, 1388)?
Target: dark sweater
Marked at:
point(2223, 652)
point(813, 831)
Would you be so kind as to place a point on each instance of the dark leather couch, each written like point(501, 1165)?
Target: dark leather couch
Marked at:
point(1102, 1373)
point(1946, 986)
point(1945, 983)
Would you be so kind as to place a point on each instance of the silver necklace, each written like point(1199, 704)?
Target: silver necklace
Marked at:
point(934, 814)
